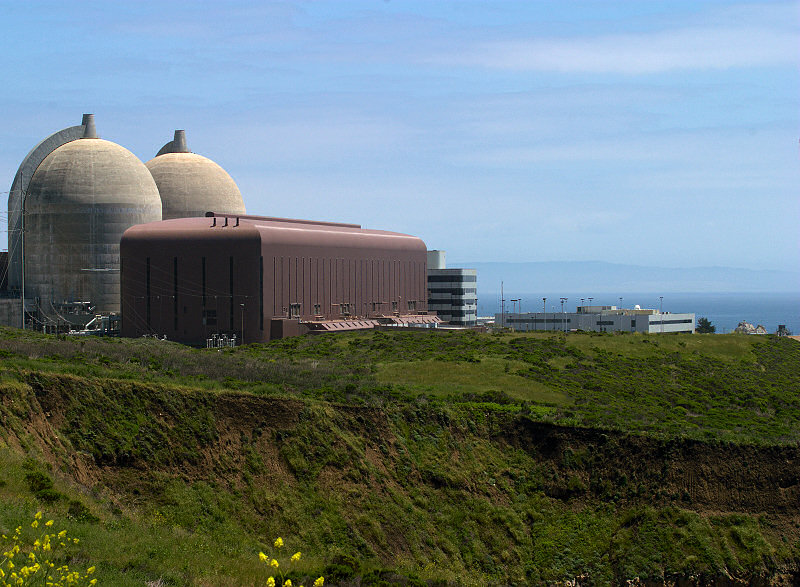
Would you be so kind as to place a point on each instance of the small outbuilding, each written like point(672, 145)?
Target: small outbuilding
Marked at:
point(258, 278)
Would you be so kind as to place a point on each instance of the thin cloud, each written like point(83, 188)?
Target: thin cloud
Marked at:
point(694, 48)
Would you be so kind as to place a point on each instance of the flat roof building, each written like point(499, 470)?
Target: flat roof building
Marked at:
point(452, 293)
point(601, 319)
point(258, 278)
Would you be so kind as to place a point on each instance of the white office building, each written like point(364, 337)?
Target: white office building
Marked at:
point(452, 293)
point(600, 319)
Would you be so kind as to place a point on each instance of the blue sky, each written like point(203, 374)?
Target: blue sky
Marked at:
point(651, 133)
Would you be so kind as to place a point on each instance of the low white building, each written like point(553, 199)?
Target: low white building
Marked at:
point(452, 293)
point(601, 319)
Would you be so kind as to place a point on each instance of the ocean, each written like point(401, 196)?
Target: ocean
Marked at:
point(724, 310)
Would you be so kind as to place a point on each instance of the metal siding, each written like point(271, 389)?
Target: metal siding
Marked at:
point(377, 270)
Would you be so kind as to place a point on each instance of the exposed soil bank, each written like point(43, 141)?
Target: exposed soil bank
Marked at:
point(701, 476)
point(349, 462)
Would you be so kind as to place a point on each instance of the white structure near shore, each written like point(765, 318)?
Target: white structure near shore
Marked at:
point(600, 319)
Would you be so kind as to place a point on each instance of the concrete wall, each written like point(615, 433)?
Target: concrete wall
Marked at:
point(10, 312)
point(437, 259)
point(19, 189)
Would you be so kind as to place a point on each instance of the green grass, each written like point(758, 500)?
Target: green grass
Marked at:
point(729, 387)
point(723, 347)
point(491, 374)
point(388, 456)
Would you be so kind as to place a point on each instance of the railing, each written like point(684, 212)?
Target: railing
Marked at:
point(218, 341)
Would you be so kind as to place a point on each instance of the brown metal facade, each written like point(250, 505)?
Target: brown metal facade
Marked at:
point(190, 278)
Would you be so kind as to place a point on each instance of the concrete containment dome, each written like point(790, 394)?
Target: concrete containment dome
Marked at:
point(191, 185)
point(80, 200)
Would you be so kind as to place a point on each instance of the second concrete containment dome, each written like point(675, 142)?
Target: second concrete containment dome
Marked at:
point(80, 200)
point(191, 185)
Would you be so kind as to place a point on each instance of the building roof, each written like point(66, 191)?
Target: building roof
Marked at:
point(275, 231)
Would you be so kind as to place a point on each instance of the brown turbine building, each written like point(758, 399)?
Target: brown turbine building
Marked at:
point(261, 278)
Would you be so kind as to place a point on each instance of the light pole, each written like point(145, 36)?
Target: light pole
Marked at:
point(563, 316)
point(502, 307)
point(544, 313)
point(661, 311)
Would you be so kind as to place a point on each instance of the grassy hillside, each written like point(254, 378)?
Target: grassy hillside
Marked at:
point(403, 457)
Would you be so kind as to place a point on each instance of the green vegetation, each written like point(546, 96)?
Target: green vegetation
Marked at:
point(704, 326)
point(725, 387)
point(408, 457)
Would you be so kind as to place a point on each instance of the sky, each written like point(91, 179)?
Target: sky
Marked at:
point(650, 133)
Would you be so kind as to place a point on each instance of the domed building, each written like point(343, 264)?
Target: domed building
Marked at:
point(191, 185)
point(82, 195)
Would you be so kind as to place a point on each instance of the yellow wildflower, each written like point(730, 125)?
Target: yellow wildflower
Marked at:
point(34, 524)
point(287, 583)
point(262, 557)
point(278, 542)
point(90, 570)
point(274, 563)
point(271, 582)
point(62, 534)
point(295, 557)
point(319, 582)
point(48, 523)
point(38, 516)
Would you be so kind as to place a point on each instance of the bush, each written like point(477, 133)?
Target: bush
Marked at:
point(38, 481)
point(80, 513)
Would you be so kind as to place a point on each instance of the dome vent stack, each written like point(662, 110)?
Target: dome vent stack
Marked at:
point(89, 129)
point(179, 142)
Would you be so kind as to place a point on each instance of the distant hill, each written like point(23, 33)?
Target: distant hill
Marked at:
point(601, 277)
